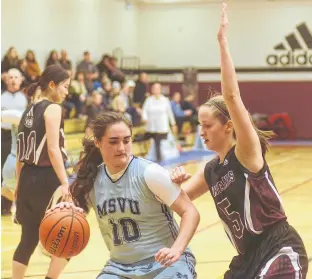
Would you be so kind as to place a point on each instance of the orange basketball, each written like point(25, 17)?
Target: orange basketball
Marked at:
point(64, 232)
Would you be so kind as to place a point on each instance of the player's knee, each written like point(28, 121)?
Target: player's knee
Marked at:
point(26, 247)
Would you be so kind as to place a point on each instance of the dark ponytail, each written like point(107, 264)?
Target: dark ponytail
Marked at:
point(31, 89)
point(86, 170)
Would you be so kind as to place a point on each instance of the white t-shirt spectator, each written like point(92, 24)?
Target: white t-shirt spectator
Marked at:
point(12, 101)
point(157, 112)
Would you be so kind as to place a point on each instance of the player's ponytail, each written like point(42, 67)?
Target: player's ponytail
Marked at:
point(30, 90)
point(86, 171)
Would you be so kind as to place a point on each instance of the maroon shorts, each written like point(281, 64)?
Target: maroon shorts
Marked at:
point(280, 255)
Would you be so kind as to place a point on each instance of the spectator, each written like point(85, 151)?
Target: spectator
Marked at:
point(65, 62)
point(89, 69)
point(131, 86)
point(9, 61)
point(187, 104)
point(104, 65)
point(98, 85)
point(135, 113)
point(117, 102)
point(180, 115)
point(140, 90)
point(53, 59)
point(22, 66)
point(11, 99)
point(116, 73)
point(94, 109)
point(32, 69)
point(77, 96)
point(157, 113)
point(106, 91)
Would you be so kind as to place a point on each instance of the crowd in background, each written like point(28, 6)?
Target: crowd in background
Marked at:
point(95, 87)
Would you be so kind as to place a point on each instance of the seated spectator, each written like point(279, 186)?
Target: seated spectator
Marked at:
point(117, 102)
point(77, 96)
point(104, 65)
point(9, 61)
point(140, 90)
point(90, 70)
point(53, 59)
point(32, 69)
point(131, 86)
point(116, 73)
point(135, 113)
point(180, 115)
point(187, 104)
point(22, 67)
point(98, 85)
point(94, 109)
point(106, 91)
point(65, 62)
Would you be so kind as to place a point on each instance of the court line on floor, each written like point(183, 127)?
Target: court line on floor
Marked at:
point(8, 248)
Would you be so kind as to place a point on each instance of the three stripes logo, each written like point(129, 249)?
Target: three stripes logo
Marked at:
point(297, 51)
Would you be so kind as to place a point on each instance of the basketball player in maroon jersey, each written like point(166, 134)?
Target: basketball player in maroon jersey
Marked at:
point(40, 165)
point(241, 184)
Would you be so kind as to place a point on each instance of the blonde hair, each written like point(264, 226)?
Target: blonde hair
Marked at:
point(220, 111)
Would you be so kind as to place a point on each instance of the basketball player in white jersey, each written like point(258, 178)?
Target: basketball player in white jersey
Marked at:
point(134, 200)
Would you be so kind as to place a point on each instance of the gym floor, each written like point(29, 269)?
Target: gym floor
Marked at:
point(292, 172)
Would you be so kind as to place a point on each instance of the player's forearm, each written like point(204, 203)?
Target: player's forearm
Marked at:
point(58, 164)
point(230, 87)
point(188, 226)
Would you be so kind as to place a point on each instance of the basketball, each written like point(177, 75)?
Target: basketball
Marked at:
point(64, 233)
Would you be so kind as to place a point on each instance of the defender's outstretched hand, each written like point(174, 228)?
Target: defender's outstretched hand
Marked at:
point(224, 22)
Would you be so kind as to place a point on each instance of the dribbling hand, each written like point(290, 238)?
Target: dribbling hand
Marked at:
point(167, 256)
point(223, 23)
point(179, 175)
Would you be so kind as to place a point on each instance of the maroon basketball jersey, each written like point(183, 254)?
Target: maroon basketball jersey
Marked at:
point(247, 203)
point(32, 138)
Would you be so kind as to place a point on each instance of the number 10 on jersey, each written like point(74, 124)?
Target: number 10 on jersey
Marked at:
point(124, 230)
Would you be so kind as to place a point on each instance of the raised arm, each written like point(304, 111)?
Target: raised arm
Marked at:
point(248, 147)
point(159, 181)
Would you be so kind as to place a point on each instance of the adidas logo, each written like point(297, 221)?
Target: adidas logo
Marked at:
point(297, 51)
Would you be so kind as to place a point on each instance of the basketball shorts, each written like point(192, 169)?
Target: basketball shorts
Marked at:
point(150, 269)
point(279, 254)
point(37, 186)
point(9, 173)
